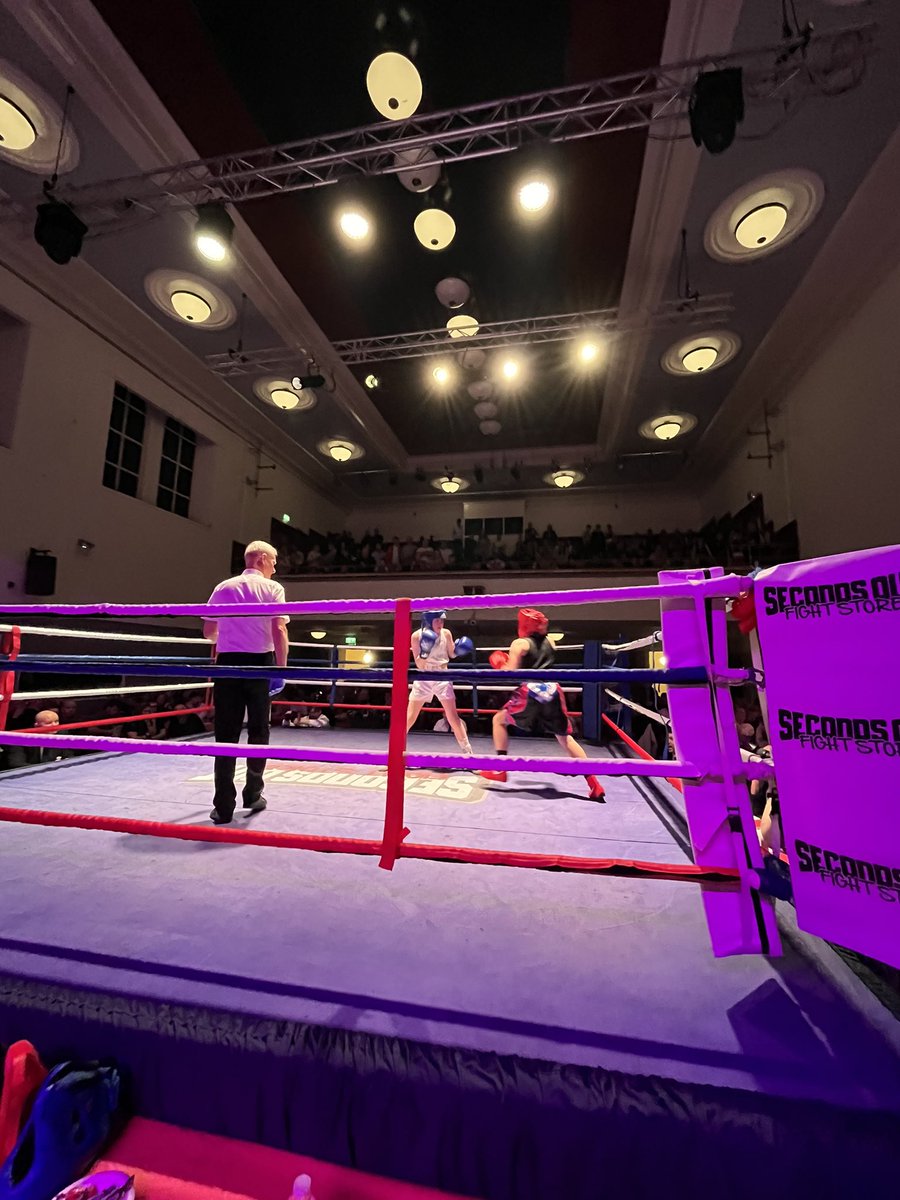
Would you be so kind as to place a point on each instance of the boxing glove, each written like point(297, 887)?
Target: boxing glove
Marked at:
point(276, 686)
point(499, 659)
point(743, 609)
point(427, 641)
point(463, 646)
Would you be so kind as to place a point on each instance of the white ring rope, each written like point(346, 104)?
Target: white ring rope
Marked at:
point(117, 636)
point(653, 639)
point(647, 712)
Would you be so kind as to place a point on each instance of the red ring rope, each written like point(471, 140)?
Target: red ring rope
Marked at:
point(639, 750)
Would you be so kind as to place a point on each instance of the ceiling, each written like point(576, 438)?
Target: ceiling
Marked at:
point(231, 83)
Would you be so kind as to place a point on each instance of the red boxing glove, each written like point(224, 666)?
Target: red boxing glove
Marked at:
point(743, 609)
point(499, 659)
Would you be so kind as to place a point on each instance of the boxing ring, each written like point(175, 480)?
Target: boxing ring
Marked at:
point(527, 964)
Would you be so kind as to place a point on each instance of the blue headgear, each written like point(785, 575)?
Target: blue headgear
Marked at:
point(428, 618)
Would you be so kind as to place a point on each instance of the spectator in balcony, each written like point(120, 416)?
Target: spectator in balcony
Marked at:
point(550, 534)
point(407, 554)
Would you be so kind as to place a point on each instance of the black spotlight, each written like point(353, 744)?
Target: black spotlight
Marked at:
point(299, 382)
point(58, 231)
point(213, 231)
point(716, 108)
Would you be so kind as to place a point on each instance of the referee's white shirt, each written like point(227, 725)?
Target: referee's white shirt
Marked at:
point(247, 635)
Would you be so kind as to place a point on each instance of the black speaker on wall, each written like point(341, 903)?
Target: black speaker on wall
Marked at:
point(40, 573)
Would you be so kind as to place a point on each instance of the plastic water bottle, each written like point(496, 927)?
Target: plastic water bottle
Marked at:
point(302, 1189)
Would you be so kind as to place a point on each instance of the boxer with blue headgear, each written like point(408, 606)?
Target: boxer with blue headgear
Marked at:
point(432, 647)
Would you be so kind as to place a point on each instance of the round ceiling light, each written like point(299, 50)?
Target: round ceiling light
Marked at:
point(354, 225)
point(485, 410)
point(701, 358)
point(434, 228)
point(490, 428)
point(190, 299)
point(668, 427)
point(473, 359)
point(394, 85)
point(701, 352)
point(442, 374)
point(421, 169)
point(588, 352)
point(480, 389)
point(564, 477)
point(763, 215)
point(462, 326)
point(761, 225)
point(341, 450)
point(452, 292)
point(284, 398)
point(191, 307)
point(31, 126)
point(449, 484)
point(16, 130)
point(284, 395)
point(318, 634)
point(533, 195)
point(510, 368)
point(372, 382)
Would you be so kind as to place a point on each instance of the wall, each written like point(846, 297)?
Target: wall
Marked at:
point(840, 425)
point(50, 476)
point(627, 512)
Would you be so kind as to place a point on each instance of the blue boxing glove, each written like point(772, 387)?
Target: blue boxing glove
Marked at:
point(463, 646)
point(276, 686)
point(427, 642)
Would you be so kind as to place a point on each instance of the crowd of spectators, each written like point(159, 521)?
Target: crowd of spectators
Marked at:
point(726, 542)
point(46, 715)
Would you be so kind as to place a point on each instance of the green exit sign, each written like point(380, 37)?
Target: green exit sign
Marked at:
point(350, 639)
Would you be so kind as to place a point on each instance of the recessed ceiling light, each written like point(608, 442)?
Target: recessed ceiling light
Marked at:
point(761, 225)
point(341, 453)
point(701, 358)
point(668, 427)
point(16, 130)
point(394, 85)
point(701, 352)
point(284, 398)
point(462, 326)
point(191, 307)
point(354, 224)
point(318, 634)
point(564, 477)
point(434, 228)
point(372, 382)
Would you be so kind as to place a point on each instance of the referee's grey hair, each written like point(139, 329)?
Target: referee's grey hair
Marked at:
point(255, 550)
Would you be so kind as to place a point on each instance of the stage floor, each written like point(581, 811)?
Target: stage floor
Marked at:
point(609, 972)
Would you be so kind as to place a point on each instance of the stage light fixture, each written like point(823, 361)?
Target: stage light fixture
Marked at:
point(58, 231)
point(716, 108)
point(213, 232)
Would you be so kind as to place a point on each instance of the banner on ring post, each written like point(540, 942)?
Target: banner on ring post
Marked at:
point(829, 630)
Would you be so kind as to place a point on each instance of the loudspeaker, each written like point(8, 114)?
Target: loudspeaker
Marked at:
point(40, 573)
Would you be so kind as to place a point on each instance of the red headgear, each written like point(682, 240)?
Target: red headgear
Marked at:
point(531, 621)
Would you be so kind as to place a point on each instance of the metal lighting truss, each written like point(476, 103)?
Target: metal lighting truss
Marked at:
point(656, 96)
point(708, 310)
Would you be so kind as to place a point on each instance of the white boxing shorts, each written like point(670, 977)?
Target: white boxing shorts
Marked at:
point(428, 689)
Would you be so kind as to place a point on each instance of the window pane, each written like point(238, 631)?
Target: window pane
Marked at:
point(473, 526)
point(109, 476)
point(117, 416)
point(187, 453)
point(164, 499)
point(113, 448)
point(170, 442)
point(120, 390)
point(512, 525)
point(493, 526)
point(181, 505)
point(184, 482)
point(128, 483)
point(131, 456)
point(134, 424)
point(167, 473)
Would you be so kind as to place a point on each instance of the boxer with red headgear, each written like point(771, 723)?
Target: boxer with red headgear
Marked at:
point(535, 707)
point(432, 647)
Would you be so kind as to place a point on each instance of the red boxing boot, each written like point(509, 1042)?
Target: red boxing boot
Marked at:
point(496, 776)
point(23, 1074)
point(596, 790)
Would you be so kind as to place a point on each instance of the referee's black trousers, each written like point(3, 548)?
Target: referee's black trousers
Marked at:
point(232, 698)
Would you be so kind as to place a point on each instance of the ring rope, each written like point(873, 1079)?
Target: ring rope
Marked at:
point(641, 644)
point(88, 693)
point(639, 708)
point(724, 586)
point(684, 872)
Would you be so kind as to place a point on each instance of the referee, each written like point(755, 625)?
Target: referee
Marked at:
point(246, 642)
